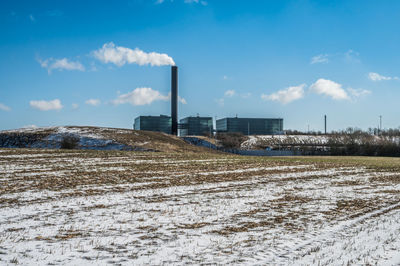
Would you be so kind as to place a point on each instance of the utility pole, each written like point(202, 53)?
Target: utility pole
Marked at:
point(325, 123)
point(380, 123)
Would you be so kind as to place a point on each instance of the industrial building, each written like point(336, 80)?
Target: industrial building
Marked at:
point(162, 123)
point(196, 126)
point(250, 126)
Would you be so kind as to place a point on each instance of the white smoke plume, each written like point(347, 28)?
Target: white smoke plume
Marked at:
point(118, 55)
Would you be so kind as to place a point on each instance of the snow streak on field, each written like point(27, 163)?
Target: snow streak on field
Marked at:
point(91, 207)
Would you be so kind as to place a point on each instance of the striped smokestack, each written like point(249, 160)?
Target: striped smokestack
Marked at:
point(174, 100)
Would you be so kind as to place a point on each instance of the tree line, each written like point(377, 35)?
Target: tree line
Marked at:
point(351, 141)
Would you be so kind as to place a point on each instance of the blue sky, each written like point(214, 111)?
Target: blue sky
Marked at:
point(103, 63)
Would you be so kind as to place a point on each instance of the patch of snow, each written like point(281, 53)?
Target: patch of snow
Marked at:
point(78, 131)
point(253, 141)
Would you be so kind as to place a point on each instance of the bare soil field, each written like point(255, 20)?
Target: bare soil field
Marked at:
point(120, 207)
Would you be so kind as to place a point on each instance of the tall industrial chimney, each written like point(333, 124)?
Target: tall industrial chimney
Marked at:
point(174, 100)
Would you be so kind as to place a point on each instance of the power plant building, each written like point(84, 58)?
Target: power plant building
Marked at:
point(160, 123)
point(195, 126)
point(250, 126)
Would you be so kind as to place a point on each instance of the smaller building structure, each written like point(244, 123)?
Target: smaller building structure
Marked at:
point(250, 126)
point(196, 126)
point(160, 123)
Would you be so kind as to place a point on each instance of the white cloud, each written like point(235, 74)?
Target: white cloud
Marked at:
point(229, 93)
point(225, 77)
point(329, 88)
point(140, 96)
point(286, 95)
point(94, 102)
point(120, 56)
point(4, 107)
point(320, 59)
point(376, 77)
point(75, 106)
point(60, 64)
point(46, 105)
point(358, 92)
point(180, 99)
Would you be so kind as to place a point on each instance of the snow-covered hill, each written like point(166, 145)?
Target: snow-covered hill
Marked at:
point(94, 138)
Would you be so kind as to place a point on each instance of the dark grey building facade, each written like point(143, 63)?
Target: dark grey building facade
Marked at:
point(251, 126)
point(196, 126)
point(160, 123)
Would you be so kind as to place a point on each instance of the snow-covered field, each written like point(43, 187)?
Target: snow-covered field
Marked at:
point(100, 207)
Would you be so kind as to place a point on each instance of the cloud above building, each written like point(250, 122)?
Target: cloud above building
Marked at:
point(329, 88)
point(118, 55)
point(322, 87)
point(140, 96)
point(43, 105)
point(287, 95)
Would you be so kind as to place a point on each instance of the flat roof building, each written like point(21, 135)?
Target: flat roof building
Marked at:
point(196, 126)
point(251, 126)
point(160, 123)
